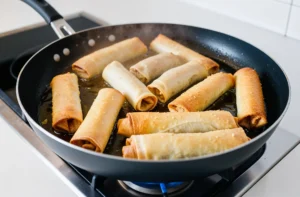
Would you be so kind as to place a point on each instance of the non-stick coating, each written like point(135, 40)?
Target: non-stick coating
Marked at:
point(40, 69)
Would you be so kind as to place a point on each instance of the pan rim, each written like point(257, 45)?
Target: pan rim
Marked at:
point(153, 162)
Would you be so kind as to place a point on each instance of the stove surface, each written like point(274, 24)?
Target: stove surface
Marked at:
point(233, 182)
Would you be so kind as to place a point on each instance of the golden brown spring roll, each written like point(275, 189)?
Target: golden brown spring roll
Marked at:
point(182, 122)
point(133, 89)
point(169, 146)
point(177, 79)
point(203, 94)
point(95, 130)
point(94, 63)
point(67, 113)
point(249, 99)
point(164, 44)
point(152, 67)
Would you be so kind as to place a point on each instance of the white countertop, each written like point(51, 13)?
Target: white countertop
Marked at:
point(34, 176)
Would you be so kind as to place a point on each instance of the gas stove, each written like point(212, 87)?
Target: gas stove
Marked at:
point(232, 182)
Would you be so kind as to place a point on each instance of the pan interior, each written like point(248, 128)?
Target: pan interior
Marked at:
point(231, 53)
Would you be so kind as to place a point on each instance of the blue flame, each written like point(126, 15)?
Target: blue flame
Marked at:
point(163, 186)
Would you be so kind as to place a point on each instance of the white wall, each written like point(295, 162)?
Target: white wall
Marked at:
point(281, 16)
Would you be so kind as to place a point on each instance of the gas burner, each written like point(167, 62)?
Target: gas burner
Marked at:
point(156, 188)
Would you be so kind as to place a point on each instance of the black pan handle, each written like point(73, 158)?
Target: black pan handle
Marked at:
point(52, 17)
point(44, 9)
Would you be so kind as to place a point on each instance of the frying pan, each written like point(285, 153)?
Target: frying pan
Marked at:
point(41, 68)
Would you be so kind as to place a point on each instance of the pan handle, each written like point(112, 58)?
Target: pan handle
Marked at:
point(52, 17)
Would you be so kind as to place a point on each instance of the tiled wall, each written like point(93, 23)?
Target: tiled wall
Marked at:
point(293, 29)
point(281, 16)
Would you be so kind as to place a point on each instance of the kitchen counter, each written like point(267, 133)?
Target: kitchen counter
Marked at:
point(21, 165)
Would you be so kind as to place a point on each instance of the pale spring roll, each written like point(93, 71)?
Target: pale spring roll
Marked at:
point(94, 63)
point(249, 99)
point(203, 94)
point(133, 89)
point(95, 130)
point(66, 107)
point(182, 122)
point(152, 67)
point(177, 79)
point(164, 44)
point(169, 146)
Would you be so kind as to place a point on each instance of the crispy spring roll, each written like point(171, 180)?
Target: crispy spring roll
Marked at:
point(164, 44)
point(177, 79)
point(152, 67)
point(95, 130)
point(169, 146)
point(203, 94)
point(67, 113)
point(133, 89)
point(94, 63)
point(137, 123)
point(249, 99)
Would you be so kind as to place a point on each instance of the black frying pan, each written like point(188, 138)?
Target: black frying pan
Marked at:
point(41, 68)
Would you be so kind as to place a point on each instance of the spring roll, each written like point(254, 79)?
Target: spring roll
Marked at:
point(95, 130)
point(203, 94)
point(133, 89)
point(137, 123)
point(169, 146)
point(177, 79)
point(67, 113)
point(152, 67)
point(164, 44)
point(93, 64)
point(249, 99)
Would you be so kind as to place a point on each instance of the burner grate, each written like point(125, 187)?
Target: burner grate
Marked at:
point(210, 186)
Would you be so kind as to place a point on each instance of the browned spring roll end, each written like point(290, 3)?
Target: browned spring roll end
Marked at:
point(86, 143)
point(81, 65)
point(211, 66)
point(147, 103)
point(136, 73)
point(128, 152)
point(71, 125)
point(177, 108)
point(124, 127)
point(157, 93)
point(253, 121)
